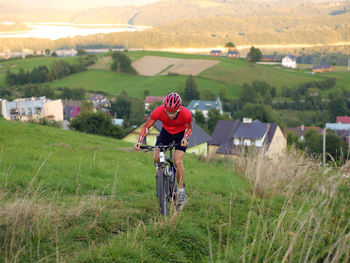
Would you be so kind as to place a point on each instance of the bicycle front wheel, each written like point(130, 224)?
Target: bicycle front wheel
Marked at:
point(162, 190)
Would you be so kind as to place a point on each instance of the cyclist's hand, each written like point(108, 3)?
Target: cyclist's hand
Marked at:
point(137, 146)
point(184, 142)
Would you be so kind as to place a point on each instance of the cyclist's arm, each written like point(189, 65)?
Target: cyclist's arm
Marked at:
point(149, 123)
point(188, 131)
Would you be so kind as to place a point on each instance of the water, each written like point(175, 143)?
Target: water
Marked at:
point(55, 31)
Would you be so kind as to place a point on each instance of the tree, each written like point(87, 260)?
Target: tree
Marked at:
point(96, 123)
point(213, 117)
point(122, 106)
point(200, 119)
point(337, 107)
point(81, 52)
point(121, 62)
point(54, 54)
point(47, 51)
point(207, 94)
point(229, 44)
point(260, 112)
point(191, 92)
point(254, 54)
point(60, 68)
point(86, 106)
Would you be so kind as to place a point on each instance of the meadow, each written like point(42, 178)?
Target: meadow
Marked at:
point(72, 197)
point(27, 65)
point(229, 73)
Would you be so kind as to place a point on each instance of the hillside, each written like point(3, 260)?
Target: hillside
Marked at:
point(195, 24)
point(72, 197)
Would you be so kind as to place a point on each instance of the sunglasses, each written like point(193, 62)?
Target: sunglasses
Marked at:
point(172, 112)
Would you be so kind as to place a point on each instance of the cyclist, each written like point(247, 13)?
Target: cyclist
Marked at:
point(177, 125)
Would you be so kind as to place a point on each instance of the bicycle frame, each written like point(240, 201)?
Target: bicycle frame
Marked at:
point(165, 176)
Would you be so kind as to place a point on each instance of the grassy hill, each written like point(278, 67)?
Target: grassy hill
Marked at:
point(229, 73)
point(27, 65)
point(72, 197)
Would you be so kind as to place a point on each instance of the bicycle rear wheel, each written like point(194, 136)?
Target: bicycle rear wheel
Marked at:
point(162, 190)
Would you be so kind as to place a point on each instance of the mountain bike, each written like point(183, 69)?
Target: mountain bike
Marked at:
point(165, 177)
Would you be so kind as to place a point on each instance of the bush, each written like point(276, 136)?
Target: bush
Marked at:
point(96, 123)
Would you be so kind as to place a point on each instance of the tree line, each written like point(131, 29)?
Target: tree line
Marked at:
point(41, 74)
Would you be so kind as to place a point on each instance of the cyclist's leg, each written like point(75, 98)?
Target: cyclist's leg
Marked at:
point(180, 170)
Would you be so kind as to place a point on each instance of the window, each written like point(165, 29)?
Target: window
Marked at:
point(236, 141)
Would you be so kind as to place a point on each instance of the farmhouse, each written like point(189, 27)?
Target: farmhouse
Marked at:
point(198, 142)
point(289, 62)
point(301, 130)
point(268, 58)
point(233, 54)
point(215, 53)
point(32, 109)
point(233, 138)
point(323, 68)
point(99, 101)
point(152, 99)
point(205, 106)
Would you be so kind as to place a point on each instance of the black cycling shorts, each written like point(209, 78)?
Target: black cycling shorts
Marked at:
point(165, 138)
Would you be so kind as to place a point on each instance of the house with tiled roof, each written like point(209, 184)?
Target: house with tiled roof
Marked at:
point(205, 106)
point(301, 130)
point(197, 144)
point(234, 138)
point(322, 68)
point(268, 58)
point(99, 100)
point(215, 53)
point(343, 119)
point(233, 54)
point(149, 100)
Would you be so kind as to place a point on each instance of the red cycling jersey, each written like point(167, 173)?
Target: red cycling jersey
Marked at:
point(183, 121)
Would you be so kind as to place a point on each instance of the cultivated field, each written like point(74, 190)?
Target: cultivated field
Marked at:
point(152, 66)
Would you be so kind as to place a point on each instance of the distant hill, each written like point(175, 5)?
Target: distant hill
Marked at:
point(206, 23)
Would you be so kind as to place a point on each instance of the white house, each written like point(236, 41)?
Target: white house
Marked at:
point(32, 109)
point(289, 62)
point(205, 106)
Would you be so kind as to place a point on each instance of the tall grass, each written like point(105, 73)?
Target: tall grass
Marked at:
point(312, 225)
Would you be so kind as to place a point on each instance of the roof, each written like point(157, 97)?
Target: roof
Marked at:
point(204, 105)
point(343, 119)
point(268, 56)
point(151, 99)
point(226, 131)
point(198, 136)
point(223, 131)
point(254, 130)
point(29, 106)
point(215, 51)
point(233, 52)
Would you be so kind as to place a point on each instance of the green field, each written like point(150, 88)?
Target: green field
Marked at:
point(71, 197)
point(229, 73)
point(115, 82)
point(27, 65)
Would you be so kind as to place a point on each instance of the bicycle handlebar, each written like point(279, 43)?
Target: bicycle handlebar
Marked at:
point(164, 147)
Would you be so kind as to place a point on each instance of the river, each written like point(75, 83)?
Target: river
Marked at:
point(63, 30)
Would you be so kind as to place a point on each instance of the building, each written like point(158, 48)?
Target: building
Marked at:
point(343, 119)
point(197, 144)
point(233, 54)
point(289, 62)
point(215, 53)
point(205, 106)
point(152, 99)
point(99, 101)
point(301, 130)
point(322, 68)
point(32, 109)
point(266, 58)
point(66, 52)
point(234, 138)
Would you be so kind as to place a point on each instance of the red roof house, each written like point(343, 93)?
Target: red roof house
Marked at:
point(343, 119)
